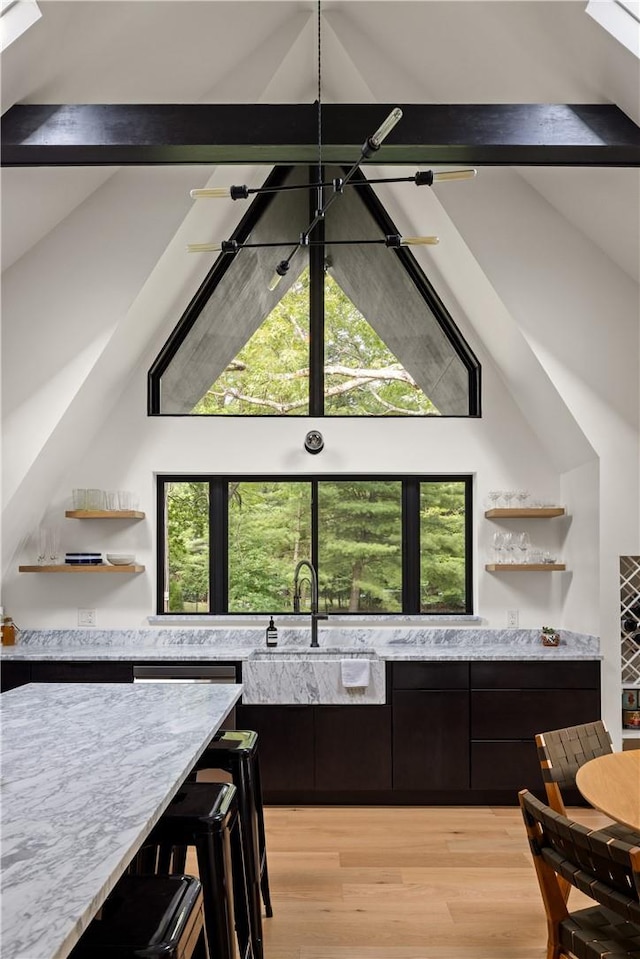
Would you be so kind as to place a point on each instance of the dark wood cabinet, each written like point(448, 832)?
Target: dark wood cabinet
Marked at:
point(14, 673)
point(81, 672)
point(286, 746)
point(352, 748)
point(430, 726)
point(511, 702)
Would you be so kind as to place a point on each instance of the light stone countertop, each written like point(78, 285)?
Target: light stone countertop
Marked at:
point(87, 771)
point(228, 644)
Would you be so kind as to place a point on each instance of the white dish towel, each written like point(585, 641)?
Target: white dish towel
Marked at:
point(355, 672)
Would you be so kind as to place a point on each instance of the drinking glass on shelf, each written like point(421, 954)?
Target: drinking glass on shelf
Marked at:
point(522, 495)
point(79, 498)
point(508, 495)
point(42, 546)
point(95, 499)
point(509, 547)
point(523, 544)
point(493, 497)
point(54, 545)
point(111, 499)
point(498, 546)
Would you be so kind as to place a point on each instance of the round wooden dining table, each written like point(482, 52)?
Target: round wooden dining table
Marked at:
point(611, 783)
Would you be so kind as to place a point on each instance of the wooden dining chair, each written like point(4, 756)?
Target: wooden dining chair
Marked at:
point(605, 869)
point(561, 753)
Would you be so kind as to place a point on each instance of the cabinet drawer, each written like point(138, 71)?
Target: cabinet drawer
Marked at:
point(520, 714)
point(75, 672)
point(500, 765)
point(430, 675)
point(560, 675)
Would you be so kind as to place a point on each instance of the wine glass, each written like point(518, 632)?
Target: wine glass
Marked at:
point(508, 496)
point(522, 495)
point(54, 545)
point(493, 496)
point(42, 546)
point(498, 546)
point(523, 544)
point(509, 547)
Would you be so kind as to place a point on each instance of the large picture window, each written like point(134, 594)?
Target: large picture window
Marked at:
point(380, 544)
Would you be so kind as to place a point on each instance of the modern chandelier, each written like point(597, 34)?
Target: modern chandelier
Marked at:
point(370, 146)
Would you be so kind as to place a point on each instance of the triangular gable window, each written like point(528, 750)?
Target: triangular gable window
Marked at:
point(352, 330)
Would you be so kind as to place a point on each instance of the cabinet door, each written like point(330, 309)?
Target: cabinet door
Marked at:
point(430, 739)
point(81, 672)
point(14, 674)
point(352, 748)
point(285, 745)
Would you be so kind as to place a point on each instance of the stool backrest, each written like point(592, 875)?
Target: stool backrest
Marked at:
point(606, 869)
point(561, 753)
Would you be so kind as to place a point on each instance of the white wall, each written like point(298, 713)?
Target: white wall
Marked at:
point(580, 314)
point(499, 449)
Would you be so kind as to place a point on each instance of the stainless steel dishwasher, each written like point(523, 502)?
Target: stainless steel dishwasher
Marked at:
point(190, 673)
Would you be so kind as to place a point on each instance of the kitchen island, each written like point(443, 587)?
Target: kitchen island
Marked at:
point(87, 771)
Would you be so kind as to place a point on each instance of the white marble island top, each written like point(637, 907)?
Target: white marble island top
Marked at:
point(87, 770)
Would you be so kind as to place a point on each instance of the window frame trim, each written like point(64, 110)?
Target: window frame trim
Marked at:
point(218, 535)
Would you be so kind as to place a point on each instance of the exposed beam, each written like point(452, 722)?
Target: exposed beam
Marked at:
point(492, 134)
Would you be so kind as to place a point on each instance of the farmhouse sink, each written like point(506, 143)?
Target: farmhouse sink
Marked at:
point(305, 676)
point(298, 653)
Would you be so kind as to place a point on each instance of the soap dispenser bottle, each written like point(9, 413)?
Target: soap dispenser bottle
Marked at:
point(272, 633)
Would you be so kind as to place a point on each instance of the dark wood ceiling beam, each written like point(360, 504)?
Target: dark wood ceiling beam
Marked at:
point(489, 134)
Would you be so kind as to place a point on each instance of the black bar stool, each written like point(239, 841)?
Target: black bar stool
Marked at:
point(205, 815)
point(148, 916)
point(236, 751)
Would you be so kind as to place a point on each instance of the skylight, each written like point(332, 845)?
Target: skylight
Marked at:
point(16, 16)
point(620, 18)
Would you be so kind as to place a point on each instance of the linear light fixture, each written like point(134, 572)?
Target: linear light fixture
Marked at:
point(370, 146)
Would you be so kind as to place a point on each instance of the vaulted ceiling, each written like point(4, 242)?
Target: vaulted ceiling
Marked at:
point(438, 51)
point(94, 261)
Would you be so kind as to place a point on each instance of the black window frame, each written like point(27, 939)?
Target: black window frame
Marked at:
point(218, 534)
point(276, 178)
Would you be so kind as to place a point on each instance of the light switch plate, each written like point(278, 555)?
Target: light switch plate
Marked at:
point(86, 617)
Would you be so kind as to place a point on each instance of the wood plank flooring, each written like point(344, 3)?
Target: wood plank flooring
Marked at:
point(404, 883)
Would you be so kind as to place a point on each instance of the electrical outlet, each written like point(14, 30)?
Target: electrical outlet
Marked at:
point(513, 617)
point(86, 617)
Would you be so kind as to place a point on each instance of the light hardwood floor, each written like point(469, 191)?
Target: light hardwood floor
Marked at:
point(404, 883)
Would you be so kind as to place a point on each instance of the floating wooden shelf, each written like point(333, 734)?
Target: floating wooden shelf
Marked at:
point(104, 514)
point(524, 512)
point(524, 567)
point(66, 568)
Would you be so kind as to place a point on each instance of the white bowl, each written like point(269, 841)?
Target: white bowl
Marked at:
point(121, 559)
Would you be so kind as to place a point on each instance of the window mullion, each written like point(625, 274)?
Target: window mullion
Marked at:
point(411, 546)
point(316, 305)
point(218, 545)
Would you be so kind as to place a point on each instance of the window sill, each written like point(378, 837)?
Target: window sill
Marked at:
point(294, 619)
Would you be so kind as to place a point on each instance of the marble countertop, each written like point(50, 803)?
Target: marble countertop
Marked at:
point(87, 771)
point(228, 644)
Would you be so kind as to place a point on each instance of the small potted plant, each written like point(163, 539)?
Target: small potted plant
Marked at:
point(550, 636)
